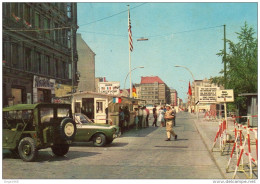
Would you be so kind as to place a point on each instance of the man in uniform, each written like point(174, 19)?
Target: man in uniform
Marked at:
point(168, 119)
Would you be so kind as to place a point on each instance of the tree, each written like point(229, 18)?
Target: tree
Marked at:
point(241, 61)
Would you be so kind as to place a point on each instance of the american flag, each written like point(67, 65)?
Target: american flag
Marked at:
point(130, 33)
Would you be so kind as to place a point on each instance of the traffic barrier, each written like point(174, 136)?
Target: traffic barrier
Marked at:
point(240, 148)
point(222, 136)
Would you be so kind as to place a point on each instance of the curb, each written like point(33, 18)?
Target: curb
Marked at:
point(211, 154)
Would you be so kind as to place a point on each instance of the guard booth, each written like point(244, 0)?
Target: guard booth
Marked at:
point(252, 108)
point(99, 107)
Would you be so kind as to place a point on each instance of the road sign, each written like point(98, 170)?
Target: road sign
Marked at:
point(225, 95)
point(207, 94)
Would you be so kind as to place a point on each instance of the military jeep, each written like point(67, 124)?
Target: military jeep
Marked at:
point(28, 128)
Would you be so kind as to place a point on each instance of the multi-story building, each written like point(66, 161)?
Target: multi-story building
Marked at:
point(154, 91)
point(97, 81)
point(39, 56)
point(86, 66)
point(174, 96)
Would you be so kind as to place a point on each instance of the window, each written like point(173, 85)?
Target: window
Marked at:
point(17, 95)
point(38, 64)
point(26, 15)
point(14, 55)
point(56, 67)
point(46, 114)
point(14, 9)
point(99, 107)
point(63, 112)
point(56, 33)
point(46, 26)
point(48, 65)
point(37, 20)
point(28, 59)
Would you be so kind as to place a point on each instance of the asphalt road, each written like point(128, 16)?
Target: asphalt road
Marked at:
point(137, 154)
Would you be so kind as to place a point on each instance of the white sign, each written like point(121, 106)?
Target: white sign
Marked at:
point(225, 95)
point(111, 88)
point(207, 94)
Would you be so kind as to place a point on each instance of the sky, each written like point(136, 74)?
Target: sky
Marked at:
point(186, 34)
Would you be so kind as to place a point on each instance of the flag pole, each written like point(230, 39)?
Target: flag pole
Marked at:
point(130, 82)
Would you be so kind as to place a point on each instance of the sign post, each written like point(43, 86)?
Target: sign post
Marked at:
point(224, 96)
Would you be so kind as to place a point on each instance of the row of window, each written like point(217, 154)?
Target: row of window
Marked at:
point(25, 58)
point(49, 28)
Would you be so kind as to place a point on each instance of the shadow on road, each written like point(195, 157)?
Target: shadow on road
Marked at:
point(171, 146)
point(90, 144)
point(48, 156)
point(139, 132)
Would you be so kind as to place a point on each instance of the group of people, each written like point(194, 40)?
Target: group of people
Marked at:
point(165, 116)
point(141, 117)
point(124, 118)
point(159, 117)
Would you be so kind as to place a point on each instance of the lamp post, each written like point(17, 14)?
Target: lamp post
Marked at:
point(192, 78)
point(128, 74)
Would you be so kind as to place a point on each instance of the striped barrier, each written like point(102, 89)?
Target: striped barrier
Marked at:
point(222, 136)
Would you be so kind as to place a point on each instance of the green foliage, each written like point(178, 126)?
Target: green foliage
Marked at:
point(241, 62)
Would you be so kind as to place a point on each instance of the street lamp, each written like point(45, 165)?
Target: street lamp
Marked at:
point(192, 78)
point(129, 73)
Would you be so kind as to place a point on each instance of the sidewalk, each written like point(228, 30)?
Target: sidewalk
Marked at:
point(208, 130)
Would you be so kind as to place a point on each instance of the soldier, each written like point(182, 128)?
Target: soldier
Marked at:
point(168, 119)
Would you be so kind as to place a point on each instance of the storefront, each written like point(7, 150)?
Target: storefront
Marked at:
point(43, 89)
point(16, 90)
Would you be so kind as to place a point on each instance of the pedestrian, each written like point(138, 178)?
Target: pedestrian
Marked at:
point(144, 117)
point(127, 117)
point(136, 118)
point(140, 117)
point(161, 116)
point(169, 118)
point(121, 119)
point(155, 116)
point(147, 116)
point(174, 113)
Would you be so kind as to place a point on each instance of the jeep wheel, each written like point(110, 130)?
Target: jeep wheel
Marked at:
point(27, 149)
point(60, 149)
point(99, 140)
point(67, 129)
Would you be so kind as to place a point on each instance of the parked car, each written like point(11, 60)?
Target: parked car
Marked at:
point(28, 128)
point(100, 134)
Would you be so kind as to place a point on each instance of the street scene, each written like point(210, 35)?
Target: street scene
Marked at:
point(129, 90)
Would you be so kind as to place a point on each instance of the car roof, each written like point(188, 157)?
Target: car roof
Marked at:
point(29, 106)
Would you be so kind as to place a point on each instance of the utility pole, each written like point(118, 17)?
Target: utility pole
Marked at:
point(224, 59)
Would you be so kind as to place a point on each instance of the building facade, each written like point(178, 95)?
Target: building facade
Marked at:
point(154, 91)
point(39, 56)
point(174, 96)
point(86, 66)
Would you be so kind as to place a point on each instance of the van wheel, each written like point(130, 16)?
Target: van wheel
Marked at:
point(60, 149)
point(27, 149)
point(99, 140)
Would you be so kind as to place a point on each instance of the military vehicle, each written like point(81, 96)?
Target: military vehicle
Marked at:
point(28, 128)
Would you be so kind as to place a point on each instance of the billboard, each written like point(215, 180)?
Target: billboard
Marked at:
point(111, 88)
point(208, 94)
point(225, 95)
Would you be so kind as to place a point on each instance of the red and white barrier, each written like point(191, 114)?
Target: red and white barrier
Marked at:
point(221, 135)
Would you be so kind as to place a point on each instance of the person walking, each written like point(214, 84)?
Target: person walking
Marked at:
point(155, 116)
point(147, 116)
point(161, 116)
point(136, 118)
point(144, 117)
point(174, 113)
point(121, 119)
point(127, 117)
point(140, 116)
point(169, 118)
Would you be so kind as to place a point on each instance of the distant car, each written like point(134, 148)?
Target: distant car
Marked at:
point(100, 134)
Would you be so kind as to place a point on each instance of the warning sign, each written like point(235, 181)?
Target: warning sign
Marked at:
point(225, 95)
point(208, 94)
